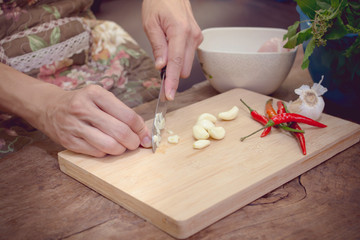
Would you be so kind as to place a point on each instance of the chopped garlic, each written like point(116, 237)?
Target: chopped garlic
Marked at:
point(156, 140)
point(159, 124)
point(310, 103)
point(174, 139)
point(159, 121)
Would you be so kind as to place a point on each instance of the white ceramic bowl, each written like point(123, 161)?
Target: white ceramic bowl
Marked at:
point(229, 59)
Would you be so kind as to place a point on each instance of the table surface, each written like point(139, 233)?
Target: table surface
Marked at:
point(38, 201)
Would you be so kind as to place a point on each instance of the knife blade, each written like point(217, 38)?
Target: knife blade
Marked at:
point(160, 111)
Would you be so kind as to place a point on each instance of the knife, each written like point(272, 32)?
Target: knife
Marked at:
point(160, 111)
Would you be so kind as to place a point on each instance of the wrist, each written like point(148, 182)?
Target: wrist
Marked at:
point(23, 95)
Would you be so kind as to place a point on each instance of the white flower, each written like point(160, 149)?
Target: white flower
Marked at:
point(110, 36)
point(310, 102)
point(78, 74)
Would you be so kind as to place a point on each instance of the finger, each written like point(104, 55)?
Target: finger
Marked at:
point(188, 61)
point(100, 140)
point(144, 134)
point(177, 43)
point(78, 145)
point(158, 43)
point(193, 43)
point(107, 102)
point(118, 130)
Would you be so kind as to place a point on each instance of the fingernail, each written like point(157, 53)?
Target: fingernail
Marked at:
point(171, 95)
point(146, 142)
point(159, 62)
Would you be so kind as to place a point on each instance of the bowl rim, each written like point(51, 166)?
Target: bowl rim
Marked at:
point(245, 28)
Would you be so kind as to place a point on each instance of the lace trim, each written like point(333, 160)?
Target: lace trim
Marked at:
point(57, 52)
point(3, 57)
point(43, 27)
point(40, 28)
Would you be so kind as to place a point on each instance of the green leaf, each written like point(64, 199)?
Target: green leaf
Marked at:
point(334, 3)
point(36, 42)
point(133, 53)
point(292, 30)
point(337, 31)
point(308, 51)
point(308, 7)
point(324, 4)
point(354, 49)
point(352, 14)
point(124, 62)
point(47, 8)
point(57, 13)
point(299, 38)
point(55, 36)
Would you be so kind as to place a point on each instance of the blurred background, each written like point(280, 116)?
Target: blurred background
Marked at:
point(208, 13)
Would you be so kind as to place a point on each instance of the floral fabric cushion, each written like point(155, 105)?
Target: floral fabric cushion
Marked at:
point(62, 43)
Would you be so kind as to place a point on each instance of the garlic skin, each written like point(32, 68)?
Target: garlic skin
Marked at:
point(310, 103)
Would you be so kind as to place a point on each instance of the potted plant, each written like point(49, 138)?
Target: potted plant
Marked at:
point(329, 31)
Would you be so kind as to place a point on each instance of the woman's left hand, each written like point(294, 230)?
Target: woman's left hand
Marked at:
point(174, 36)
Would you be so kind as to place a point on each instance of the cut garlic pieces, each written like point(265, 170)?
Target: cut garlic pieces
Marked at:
point(174, 139)
point(229, 115)
point(199, 144)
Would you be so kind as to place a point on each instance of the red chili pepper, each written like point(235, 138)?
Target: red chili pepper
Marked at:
point(286, 118)
point(258, 117)
point(270, 111)
point(281, 107)
point(293, 117)
point(300, 136)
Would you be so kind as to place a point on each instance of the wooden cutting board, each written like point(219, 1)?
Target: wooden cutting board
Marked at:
point(182, 190)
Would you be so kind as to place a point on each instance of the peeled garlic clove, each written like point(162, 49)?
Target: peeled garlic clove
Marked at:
point(174, 139)
point(217, 133)
point(229, 115)
point(205, 123)
point(200, 132)
point(207, 116)
point(199, 144)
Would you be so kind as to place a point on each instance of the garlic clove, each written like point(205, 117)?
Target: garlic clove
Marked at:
point(207, 116)
point(229, 115)
point(217, 133)
point(206, 124)
point(200, 132)
point(199, 144)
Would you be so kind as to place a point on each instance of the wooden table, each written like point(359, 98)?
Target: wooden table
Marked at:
point(38, 201)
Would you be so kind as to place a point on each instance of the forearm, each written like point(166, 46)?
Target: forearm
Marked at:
point(23, 95)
